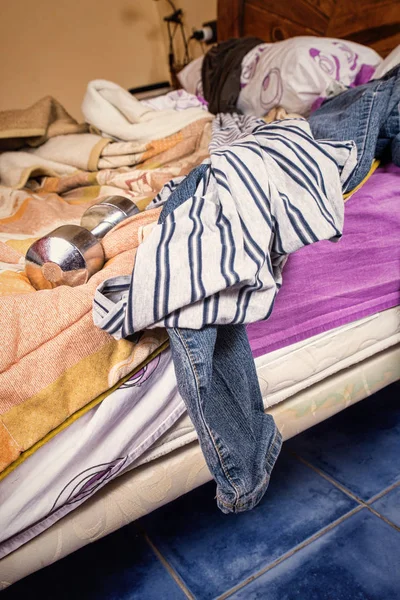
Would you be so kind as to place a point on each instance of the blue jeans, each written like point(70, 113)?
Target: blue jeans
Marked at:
point(217, 379)
point(369, 115)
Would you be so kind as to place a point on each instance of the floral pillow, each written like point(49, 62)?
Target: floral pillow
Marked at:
point(300, 72)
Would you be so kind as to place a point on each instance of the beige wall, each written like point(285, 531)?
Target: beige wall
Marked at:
point(56, 46)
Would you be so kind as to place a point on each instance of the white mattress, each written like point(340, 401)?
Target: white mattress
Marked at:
point(142, 490)
point(322, 355)
point(285, 372)
point(112, 438)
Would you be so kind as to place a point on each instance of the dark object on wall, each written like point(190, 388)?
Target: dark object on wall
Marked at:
point(149, 91)
point(221, 71)
point(174, 24)
point(207, 33)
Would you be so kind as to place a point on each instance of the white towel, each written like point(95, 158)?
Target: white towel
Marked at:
point(119, 115)
point(17, 167)
point(60, 155)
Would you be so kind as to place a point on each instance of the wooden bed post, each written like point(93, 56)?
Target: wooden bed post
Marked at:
point(230, 19)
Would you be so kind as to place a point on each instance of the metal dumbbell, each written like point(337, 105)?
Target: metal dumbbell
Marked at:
point(71, 254)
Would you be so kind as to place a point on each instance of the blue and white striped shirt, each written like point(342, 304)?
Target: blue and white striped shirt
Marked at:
point(267, 191)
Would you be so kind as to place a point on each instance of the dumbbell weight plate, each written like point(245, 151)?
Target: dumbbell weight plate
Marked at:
point(69, 256)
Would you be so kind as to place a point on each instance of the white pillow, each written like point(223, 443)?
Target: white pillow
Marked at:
point(392, 60)
point(190, 77)
point(296, 72)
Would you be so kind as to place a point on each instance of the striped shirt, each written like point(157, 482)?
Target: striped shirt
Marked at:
point(267, 191)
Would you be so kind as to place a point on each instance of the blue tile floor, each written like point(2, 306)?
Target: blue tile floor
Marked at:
point(327, 529)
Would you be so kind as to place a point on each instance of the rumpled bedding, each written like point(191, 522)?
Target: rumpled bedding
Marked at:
point(67, 154)
point(266, 191)
point(42, 140)
point(34, 125)
point(54, 361)
point(297, 73)
point(117, 114)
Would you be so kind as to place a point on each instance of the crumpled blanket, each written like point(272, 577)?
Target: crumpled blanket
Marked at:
point(34, 125)
point(65, 154)
point(54, 361)
point(218, 258)
point(115, 113)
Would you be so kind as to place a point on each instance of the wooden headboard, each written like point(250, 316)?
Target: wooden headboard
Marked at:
point(375, 23)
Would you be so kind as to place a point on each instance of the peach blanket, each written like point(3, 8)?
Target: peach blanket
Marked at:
point(53, 360)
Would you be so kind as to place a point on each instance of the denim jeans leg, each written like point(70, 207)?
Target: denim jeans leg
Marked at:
point(217, 379)
point(396, 150)
point(368, 115)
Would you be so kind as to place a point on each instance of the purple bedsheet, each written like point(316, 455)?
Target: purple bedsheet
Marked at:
point(326, 285)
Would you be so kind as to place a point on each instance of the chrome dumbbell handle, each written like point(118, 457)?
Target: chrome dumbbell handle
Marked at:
point(101, 218)
point(71, 254)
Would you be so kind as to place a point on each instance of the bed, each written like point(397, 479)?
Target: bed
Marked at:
point(329, 354)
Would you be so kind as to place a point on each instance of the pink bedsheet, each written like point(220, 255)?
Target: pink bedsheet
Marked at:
point(327, 285)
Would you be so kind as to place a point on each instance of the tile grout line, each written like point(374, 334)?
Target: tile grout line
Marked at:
point(362, 504)
point(384, 492)
point(171, 571)
point(385, 519)
point(329, 478)
point(290, 553)
point(342, 488)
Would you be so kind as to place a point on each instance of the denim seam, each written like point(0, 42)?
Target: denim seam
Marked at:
point(374, 93)
point(248, 498)
point(224, 468)
point(271, 454)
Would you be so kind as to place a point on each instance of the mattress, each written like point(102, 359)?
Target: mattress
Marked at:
point(333, 339)
point(329, 315)
point(146, 488)
point(286, 372)
point(113, 437)
point(325, 354)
